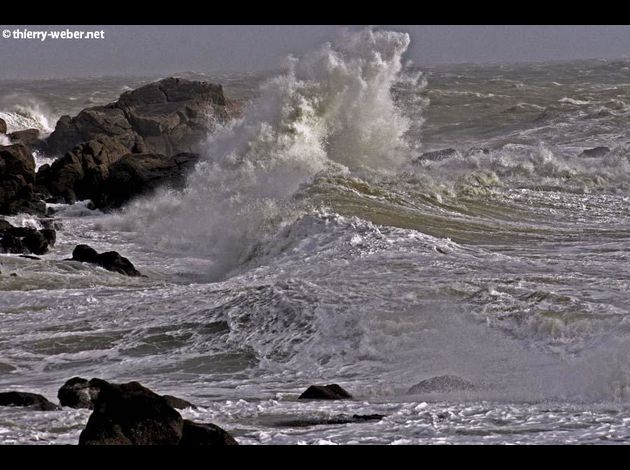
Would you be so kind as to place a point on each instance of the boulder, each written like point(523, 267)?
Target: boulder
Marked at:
point(25, 239)
point(25, 399)
point(205, 434)
point(168, 117)
point(3, 126)
point(594, 152)
point(17, 175)
point(111, 260)
point(80, 172)
point(29, 138)
point(130, 414)
point(139, 174)
point(442, 383)
point(78, 392)
point(325, 392)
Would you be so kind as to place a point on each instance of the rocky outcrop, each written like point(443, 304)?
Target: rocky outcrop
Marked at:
point(167, 117)
point(325, 392)
point(30, 138)
point(3, 126)
point(78, 392)
point(25, 239)
point(205, 434)
point(139, 174)
point(131, 414)
point(80, 173)
point(28, 400)
point(17, 175)
point(442, 383)
point(110, 260)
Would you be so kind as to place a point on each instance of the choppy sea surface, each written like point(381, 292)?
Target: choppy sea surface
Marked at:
point(314, 243)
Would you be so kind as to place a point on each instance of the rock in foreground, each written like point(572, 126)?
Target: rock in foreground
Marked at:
point(325, 392)
point(28, 400)
point(442, 383)
point(110, 260)
point(25, 240)
point(17, 175)
point(130, 414)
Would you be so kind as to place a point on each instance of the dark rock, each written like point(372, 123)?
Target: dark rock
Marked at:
point(5, 225)
point(17, 175)
point(325, 392)
point(75, 393)
point(85, 254)
point(138, 174)
point(111, 260)
point(25, 399)
point(594, 152)
point(177, 403)
point(50, 235)
point(36, 243)
point(167, 117)
point(31, 257)
point(438, 155)
point(130, 414)
point(3, 126)
point(205, 434)
point(29, 138)
point(442, 383)
point(80, 172)
point(11, 244)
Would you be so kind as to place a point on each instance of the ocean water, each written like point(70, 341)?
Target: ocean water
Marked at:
point(314, 244)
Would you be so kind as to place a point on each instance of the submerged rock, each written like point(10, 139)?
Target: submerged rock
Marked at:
point(594, 152)
point(442, 383)
point(205, 434)
point(131, 414)
point(110, 260)
point(28, 400)
point(438, 155)
point(325, 392)
point(317, 421)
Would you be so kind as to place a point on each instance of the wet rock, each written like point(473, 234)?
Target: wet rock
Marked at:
point(29, 138)
point(17, 175)
point(36, 243)
point(325, 392)
point(11, 244)
point(25, 399)
point(80, 172)
point(139, 174)
point(31, 257)
point(438, 155)
point(111, 260)
point(130, 414)
point(205, 434)
point(76, 393)
point(442, 383)
point(177, 403)
point(3, 126)
point(166, 117)
point(25, 239)
point(596, 152)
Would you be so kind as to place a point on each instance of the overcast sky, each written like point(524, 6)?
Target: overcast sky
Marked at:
point(151, 50)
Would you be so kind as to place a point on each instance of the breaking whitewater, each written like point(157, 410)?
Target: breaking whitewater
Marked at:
point(360, 222)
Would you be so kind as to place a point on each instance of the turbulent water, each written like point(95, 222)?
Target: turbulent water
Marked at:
point(314, 244)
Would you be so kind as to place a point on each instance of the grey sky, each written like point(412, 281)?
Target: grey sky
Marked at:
point(150, 50)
